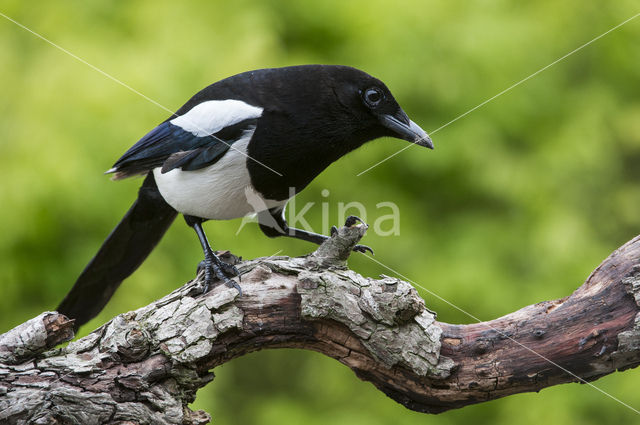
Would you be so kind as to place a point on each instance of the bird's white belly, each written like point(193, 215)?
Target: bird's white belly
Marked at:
point(220, 191)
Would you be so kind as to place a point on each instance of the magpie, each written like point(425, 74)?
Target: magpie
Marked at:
point(245, 144)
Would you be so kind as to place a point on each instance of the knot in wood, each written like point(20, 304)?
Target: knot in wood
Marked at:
point(125, 340)
point(136, 345)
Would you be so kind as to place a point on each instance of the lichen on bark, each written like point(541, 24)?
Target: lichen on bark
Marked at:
point(628, 351)
point(138, 367)
point(387, 315)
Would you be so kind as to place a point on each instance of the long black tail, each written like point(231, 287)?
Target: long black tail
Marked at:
point(121, 254)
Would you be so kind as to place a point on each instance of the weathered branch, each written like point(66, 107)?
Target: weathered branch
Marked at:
point(145, 366)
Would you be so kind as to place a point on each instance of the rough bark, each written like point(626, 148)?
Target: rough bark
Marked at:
point(145, 366)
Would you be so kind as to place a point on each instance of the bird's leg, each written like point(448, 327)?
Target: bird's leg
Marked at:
point(273, 224)
point(213, 266)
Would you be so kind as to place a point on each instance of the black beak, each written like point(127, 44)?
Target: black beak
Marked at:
point(407, 131)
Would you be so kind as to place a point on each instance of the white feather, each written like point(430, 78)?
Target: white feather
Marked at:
point(220, 191)
point(211, 116)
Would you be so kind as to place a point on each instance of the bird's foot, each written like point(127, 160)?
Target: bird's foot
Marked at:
point(351, 221)
point(214, 268)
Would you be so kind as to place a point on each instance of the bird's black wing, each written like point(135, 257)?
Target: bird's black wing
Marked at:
point(169, 146)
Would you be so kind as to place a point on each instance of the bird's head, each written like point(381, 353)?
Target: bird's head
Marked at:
point(370, 104)
point(327, 102)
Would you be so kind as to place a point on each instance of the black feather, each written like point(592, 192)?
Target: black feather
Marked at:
point(169, 146)
point(124, 250)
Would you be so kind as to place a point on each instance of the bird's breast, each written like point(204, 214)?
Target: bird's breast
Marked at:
point(220, 191)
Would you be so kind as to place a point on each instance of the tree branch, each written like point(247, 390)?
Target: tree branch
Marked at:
point(145, 366)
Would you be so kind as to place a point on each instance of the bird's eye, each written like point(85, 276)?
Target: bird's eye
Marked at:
point(373, 96)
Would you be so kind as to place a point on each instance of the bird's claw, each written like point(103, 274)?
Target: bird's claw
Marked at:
point(363, 249)
point(233, 284)
point(351, 220)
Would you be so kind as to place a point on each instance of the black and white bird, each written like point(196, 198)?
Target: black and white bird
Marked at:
point(253, 139)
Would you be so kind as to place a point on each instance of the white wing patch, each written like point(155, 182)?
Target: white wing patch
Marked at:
point(211, 116)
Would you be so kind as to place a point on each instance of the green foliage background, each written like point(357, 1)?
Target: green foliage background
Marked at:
point(518, 203)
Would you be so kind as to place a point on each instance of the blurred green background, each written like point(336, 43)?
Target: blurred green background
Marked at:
point(518, 203)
